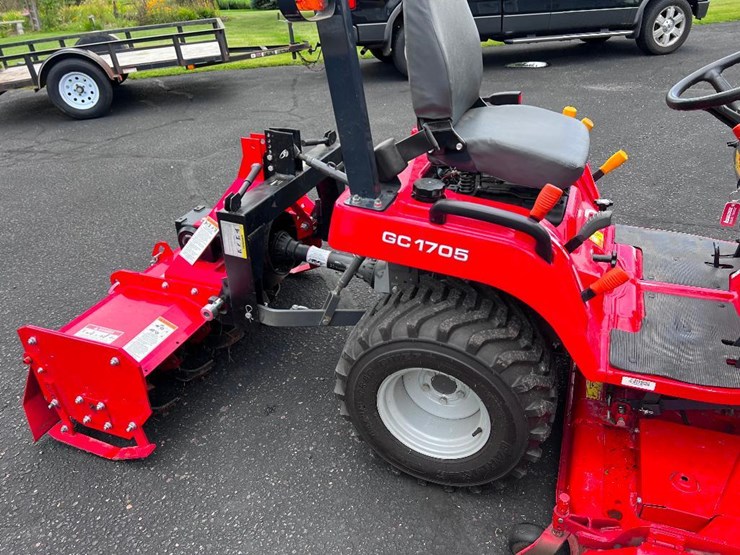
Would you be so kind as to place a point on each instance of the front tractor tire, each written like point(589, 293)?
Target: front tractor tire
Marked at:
point(449, 382)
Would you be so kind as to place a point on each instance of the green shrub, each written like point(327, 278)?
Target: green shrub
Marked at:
point(75, 17)
point(264, 4)
point(49, 14)
point(12, 15)
point(234, 4)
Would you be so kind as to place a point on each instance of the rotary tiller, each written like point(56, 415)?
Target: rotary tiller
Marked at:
point(501, 273)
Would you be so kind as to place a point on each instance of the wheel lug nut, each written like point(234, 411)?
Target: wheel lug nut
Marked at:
point(443, 400)
point(425, 386)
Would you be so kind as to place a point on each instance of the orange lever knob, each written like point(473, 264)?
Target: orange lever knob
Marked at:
point(608, 282)
point(545, 201)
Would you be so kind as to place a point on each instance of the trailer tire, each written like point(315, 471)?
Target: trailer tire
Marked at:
point(79, 88)
point(449, 382)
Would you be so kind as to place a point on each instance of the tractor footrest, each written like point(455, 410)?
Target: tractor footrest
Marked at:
point(681, 338)
point(681, 258)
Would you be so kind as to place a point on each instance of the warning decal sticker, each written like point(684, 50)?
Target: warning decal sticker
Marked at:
point(200, 240)
point(235, 241)
point(99, 334)
point(150, 338)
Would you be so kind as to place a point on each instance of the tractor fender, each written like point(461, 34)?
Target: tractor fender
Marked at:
point(506, 261)
point(388, 34)
point(73, 53)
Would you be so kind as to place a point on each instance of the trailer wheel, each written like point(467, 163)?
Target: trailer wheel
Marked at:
point(79, 88)
point(449, 382)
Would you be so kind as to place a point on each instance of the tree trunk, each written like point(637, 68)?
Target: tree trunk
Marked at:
point(33, 11)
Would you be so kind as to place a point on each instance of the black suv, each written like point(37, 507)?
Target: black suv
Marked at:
point(658, 26)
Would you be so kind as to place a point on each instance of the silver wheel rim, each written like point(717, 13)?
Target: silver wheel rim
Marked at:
point(669, 26)
point(433, 413)
point(79, 90)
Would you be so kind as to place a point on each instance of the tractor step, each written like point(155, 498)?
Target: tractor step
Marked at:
point(681, 258)
point(681, 338)
point(662, 484)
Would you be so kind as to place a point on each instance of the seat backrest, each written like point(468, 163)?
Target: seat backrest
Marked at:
point(444, 57)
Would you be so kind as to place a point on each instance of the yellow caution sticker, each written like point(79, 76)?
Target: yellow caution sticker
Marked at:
point(594, 390)
point(737, 163)
point(235, 241)
point(598, 239)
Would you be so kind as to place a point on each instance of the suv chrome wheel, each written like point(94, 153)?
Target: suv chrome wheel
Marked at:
point(669, 26)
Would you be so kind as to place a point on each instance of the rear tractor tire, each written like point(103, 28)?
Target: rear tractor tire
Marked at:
point(449, 382)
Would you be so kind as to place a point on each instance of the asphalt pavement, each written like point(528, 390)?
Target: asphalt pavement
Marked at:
point(255, 459)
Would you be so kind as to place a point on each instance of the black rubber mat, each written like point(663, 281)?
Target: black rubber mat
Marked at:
point(680, 258)
point(681, 338)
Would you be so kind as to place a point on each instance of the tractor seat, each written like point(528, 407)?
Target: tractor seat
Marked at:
point(520, 144)
point(524, 145)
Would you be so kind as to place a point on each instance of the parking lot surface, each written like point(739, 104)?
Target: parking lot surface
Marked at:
point(254, 458)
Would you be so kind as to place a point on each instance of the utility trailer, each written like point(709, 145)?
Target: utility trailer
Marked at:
point(80, 71)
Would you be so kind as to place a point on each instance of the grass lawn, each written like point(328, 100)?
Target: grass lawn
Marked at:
point(721, 11)
point(250, 28)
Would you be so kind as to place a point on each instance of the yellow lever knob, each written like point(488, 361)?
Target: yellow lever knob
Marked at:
point(588, 123)
point(570, 111)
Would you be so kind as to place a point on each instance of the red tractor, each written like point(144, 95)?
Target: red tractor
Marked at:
point(503, 281)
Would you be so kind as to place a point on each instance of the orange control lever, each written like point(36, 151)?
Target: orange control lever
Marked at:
point(614, 161)
point(609, 281)
point(545, 201)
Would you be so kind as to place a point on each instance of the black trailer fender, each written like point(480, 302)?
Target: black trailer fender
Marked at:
point(68, 53)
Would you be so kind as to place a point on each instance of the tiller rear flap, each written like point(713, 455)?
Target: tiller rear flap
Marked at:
point(89, 382)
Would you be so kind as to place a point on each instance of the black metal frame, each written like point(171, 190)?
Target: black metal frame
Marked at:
point(259, 208)
point(344, 77)
point(125, 45)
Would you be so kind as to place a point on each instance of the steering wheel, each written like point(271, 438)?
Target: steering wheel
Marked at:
point(724, 104)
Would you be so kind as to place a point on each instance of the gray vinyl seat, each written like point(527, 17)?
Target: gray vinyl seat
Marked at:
point(520, 144)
